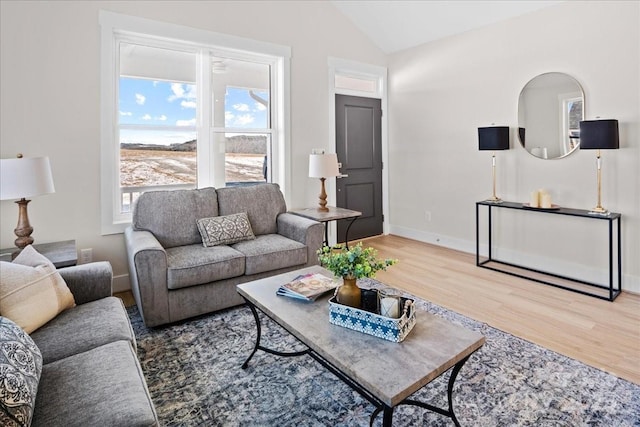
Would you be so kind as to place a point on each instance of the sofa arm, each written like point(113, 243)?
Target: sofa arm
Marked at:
point(147, 261)
point(89, 282)
point(303, 230)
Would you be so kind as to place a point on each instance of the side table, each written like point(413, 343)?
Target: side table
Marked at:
point(61, 254)
point(334, 214)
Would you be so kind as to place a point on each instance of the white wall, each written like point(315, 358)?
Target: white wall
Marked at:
point(441, 92)
point(50, 96)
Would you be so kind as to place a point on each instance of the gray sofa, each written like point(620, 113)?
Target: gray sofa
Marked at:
point(90, 373)
point(174, 276)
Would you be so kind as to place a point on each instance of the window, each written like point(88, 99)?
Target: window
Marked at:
point(185, 108)
point(157, 99)
point(572, 113)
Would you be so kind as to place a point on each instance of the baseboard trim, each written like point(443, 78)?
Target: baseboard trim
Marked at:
point(630, 283)
point(121, 283)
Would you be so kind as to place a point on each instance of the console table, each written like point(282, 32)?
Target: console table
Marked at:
point(607, 292)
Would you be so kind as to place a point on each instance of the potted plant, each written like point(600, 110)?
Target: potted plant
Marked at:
point(352, 264)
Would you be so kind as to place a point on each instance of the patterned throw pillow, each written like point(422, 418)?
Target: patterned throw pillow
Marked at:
point(32, 292)
point(20, 369)
point(224, 230)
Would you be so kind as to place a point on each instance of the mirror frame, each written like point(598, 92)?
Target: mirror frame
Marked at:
point(522, 121)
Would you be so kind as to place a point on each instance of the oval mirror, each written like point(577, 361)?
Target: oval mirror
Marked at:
point(550, 109)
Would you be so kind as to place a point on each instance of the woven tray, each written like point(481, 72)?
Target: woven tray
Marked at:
point(395, 330)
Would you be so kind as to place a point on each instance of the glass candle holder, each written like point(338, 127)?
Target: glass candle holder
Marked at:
point(389, 300)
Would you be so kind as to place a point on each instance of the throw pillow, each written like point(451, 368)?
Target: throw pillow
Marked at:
point(224, 230)
point(32, 292)
point(20, 369)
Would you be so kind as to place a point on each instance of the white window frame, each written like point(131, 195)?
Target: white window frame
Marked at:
point(114, 26)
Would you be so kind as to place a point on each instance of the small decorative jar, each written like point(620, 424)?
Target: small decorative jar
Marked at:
point(389, 302)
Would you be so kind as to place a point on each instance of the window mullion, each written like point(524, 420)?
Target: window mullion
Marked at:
point(203, 121)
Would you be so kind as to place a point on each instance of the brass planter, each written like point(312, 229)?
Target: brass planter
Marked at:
point(349, 293)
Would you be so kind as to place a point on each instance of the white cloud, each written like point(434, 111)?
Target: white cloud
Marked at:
point(146, 117)
point(162, 118)
point(182, 91)
point(241, 107)
point(140, 99)
point(126, 113)
point(188, 104)
point(228, 115)
point(191, 122)
point(260, 107)
point(244, 120)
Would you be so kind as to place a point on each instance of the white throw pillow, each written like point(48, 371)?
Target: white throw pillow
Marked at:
point(32, 292)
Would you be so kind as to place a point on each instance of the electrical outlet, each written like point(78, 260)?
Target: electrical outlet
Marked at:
point(86, 255)
point(427, 216)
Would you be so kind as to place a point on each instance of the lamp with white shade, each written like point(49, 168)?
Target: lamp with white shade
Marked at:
point(323, 166)
point(21, 178)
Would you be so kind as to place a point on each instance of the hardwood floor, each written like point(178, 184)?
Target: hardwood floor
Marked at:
point(602, 334)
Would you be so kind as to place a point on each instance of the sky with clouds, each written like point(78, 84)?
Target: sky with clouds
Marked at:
point(169, 104)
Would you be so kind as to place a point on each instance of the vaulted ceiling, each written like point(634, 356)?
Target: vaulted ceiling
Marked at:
point(395, 25)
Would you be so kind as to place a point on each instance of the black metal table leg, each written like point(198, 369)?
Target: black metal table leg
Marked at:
point(258, 334)
point(266, 349)
point(446, 412)
point(346, 233)
point(387, 416)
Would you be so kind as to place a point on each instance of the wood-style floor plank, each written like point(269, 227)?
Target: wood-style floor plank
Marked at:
point(602, 334)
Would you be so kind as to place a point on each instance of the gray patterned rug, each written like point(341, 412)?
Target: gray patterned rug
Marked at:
point(193, 372)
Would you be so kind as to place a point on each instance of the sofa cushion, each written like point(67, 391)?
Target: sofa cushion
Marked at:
point(83, 328)
point(226, 229)
point(195, 265)
point(32, 292)
point(20, 368)
point(100, 387)
point(271, 252)
point(262, 203)
point(171, 215)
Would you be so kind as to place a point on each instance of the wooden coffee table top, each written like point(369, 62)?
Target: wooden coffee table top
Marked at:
point(390, 371)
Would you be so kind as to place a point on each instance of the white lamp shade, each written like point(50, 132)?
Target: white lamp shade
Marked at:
point(25, 177)
point(323, 165)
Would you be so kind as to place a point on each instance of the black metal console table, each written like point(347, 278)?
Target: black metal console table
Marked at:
point(609, 292)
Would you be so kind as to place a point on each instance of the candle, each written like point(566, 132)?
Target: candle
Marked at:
point(389, 307)
point(534, 199)
point(545, 200)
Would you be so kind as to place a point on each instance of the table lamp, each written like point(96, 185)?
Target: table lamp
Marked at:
point(599, 135)
point(323, 166)
point(21, 178)
point(493, 138)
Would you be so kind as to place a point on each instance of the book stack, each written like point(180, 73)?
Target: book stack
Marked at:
point(308, 287)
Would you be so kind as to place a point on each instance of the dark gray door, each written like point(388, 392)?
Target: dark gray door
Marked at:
point(359, 149)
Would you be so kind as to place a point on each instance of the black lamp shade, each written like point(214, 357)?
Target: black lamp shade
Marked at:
point(493, 138)
point(599, 135)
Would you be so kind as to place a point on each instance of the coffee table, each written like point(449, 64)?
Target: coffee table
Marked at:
point(383, 372)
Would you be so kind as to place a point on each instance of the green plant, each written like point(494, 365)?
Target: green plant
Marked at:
point(354, 263)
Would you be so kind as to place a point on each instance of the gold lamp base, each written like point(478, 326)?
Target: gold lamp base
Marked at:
point(493, 199)
point(599, 210)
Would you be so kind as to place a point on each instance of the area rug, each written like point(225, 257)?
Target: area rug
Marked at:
point(193, 373)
